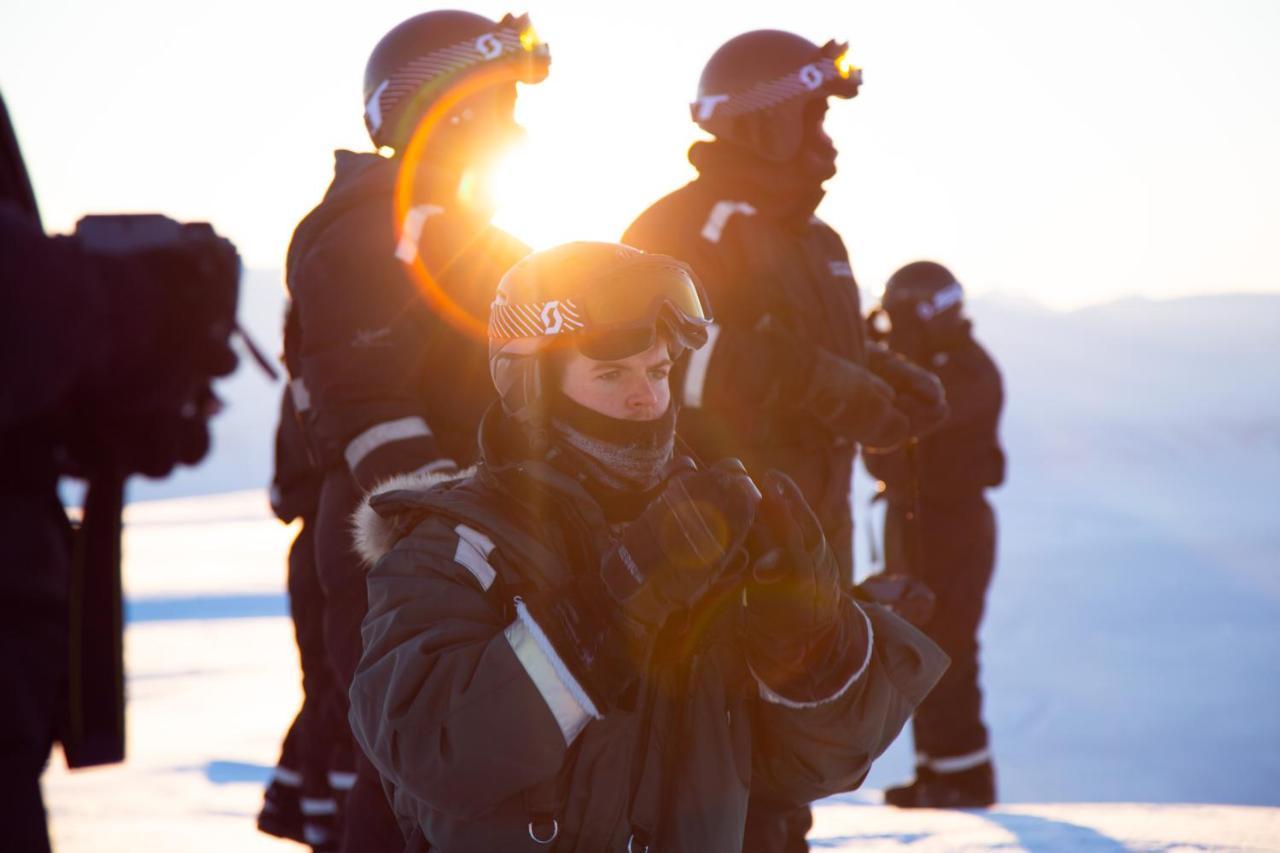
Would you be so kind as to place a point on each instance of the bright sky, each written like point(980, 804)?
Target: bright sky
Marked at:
point(1069, 152)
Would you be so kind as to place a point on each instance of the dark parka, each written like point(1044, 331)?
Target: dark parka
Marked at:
point(388, 384)
point(780, 286)
point(472, 723)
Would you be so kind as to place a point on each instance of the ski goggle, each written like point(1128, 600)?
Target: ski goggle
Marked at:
point(831, 73)
point(928, 307)
point(620, 316)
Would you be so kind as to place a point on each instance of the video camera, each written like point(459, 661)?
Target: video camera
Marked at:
point(144, 412)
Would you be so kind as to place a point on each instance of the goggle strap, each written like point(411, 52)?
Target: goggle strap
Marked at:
point(806, 80)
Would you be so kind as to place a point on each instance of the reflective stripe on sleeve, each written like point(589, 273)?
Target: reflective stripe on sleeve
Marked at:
point(695, 378)
point(473, 553)
point(769, 695)
point(382, 434)
point(411, 233)
point(723, 211)
point(563, 694)
point(301, 396)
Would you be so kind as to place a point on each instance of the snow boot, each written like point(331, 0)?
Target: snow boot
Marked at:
point(281, 813)
point(972, 788)
point(904, 796)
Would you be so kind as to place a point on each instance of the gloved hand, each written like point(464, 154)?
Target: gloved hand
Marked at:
point(603, 626)
point(150, 442)
point(801, 642)
point(918, 394)
point(851, 401)
point(669, 556)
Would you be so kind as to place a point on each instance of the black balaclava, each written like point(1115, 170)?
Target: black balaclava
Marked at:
point(618, 454)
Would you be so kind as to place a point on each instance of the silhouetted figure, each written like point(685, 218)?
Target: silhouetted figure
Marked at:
point(570, 647)
point(390, 277)
point(109, 341)
point(951, 544)
point(316, 769)
point(787, 380)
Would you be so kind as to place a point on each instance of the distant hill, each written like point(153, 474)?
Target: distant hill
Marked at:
point(1130, 377)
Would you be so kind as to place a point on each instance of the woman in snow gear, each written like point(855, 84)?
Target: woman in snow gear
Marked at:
point(558, 650)
point(786, 380)
point(946, 538)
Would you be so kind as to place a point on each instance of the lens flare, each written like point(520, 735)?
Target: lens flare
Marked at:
point(529, 39)
point(845, 66)
point(419, 152)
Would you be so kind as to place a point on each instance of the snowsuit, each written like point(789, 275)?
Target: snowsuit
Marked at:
point(956, 540)
point(780, 286)
point(383, 382)
point(469, 711)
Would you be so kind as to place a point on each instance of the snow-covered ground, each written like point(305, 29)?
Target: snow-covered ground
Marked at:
point(1132, 644)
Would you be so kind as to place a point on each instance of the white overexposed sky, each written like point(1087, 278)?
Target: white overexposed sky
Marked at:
point(1067, 152)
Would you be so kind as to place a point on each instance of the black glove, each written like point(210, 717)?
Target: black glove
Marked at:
point(150, 442)
point(908, 597)
point(669, 556)
point(852, 402)
point(603, 627)
point(918, 394)
point(801, 642)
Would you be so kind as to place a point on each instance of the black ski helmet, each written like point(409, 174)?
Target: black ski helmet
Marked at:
point(609, 300)
point(422, 57)
point(924, 294)
point(754, 89)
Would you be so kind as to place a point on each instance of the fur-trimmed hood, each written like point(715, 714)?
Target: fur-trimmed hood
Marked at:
point(376, 531)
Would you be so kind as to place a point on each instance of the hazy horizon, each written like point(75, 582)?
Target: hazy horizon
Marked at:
point(1072, 153)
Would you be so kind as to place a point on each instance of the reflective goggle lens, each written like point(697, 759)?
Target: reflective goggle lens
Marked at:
point(637, 294)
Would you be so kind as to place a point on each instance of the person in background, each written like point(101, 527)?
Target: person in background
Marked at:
point(111, 340)
point(592, 641)
point(389, 280)
point(786, 380)
point(940, 529)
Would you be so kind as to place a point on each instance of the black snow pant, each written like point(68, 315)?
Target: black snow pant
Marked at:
point(318, 747)
point(957, 551)
point(369, 824)
point(34, 588)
